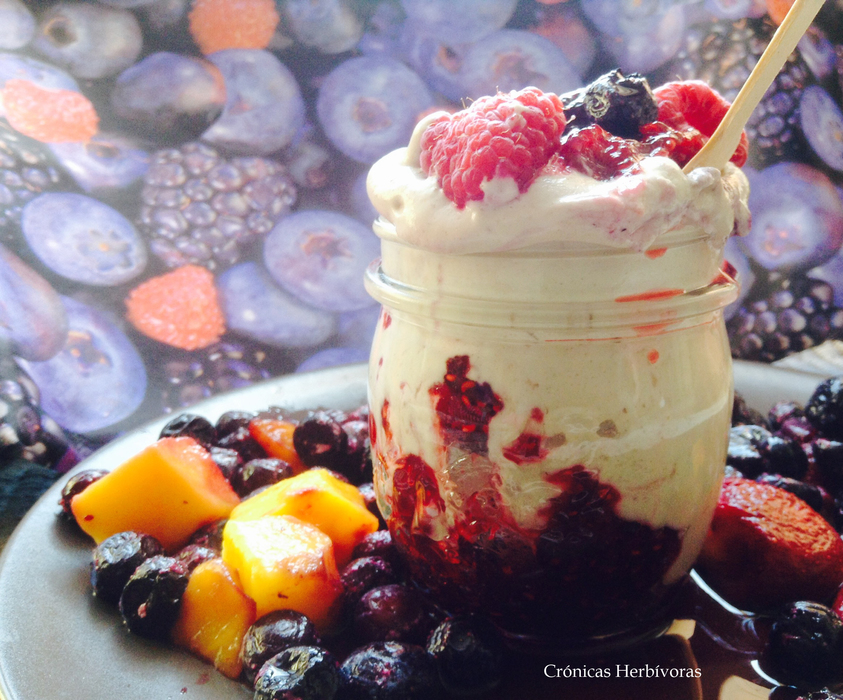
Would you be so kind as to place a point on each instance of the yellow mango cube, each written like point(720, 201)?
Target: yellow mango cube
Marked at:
point(214, 617)
point(283, 563)
point(169, 490)
point(317, 497)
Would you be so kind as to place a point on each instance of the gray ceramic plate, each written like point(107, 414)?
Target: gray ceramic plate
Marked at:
point(58, 643)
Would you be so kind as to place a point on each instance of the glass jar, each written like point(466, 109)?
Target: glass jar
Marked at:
point(549, 428)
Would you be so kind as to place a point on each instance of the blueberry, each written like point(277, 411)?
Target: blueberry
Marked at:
point(169, 95)
point(17, 25)
point(369, 106)
point(320, 257)
point(333, 357)
point(389, 671)
point(469, 655)
point(230, 421)
point(822, 124)
point(782, 411)
point(209, 536)
point(824, 409)
point(192, 555)
point(797, 217)
point(462, 22)
point(379, 544)
point(392, 612)
point(436, 60)
point(298, 673)
point(255, 307)
point(646, 50)
point(82, 239)
point(257, 473)
point(828, 459)
point(264, 109)
point(32, 317)
point(151, 599)
point(382, 35)
point(77, 484)
point(754, 450)
point(115, 560)
point(190, 425)
point(365, 573)
point(790, 693)
point(105, 162)
point(320, 441)
point(805, 646)
point(97, 379)
point(270, 635)
point(330, 26)
point(228, 460)
point(512, 59)
point(241, 440)
point(744, 414)
point(44, 75)
point(90, 41)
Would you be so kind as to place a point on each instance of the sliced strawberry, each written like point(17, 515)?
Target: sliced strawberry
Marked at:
point(766, 547)
point(693, 103)
point(180, 308)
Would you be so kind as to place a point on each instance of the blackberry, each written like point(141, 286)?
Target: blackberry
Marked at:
point(723, 54)
point(797, 313)
point(26, 171)
point(621, 104)
point(192, 376)
point(200, 207)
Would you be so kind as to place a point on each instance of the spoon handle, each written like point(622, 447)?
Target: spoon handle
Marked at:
point(723, 142)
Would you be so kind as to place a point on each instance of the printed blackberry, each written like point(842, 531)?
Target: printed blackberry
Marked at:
point(723, 54)
point(26, 171)
point(192, 376)
point(202, 208)
point(797, 313)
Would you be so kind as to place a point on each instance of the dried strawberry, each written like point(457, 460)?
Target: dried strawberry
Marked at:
point(232, 24)
point(504, 135)
point(693, 103)
point(49, 116)
point(767, 547)
point(180, 308)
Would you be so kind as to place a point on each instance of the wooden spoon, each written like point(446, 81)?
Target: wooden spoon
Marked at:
point(723, 142)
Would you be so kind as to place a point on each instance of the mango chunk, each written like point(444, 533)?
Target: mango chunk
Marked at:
point(284, 564)
point(276, 437)
point(214, 617)
point(169, 490)
point(317, 497)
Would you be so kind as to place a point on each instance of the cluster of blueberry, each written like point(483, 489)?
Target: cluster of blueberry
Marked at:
point(141, 138)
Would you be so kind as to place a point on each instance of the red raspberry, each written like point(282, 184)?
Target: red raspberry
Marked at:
point(49, 116)
point(595, 152)
point(692, 103)
point(232, 24)
point(504, 135)
point(680, 145)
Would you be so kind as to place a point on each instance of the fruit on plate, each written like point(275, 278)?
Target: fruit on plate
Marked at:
point(168, 491)
point(317, 497)
point(766, 547)
point(215, 616)
point(275, 435)
point(284, 563)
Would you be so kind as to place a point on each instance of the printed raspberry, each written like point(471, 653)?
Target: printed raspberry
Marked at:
point(179, 308)
point(49, 116)
point(692, 103)
point(504, 135)
point(778, 9)
point(232, 24)
point(597, 153)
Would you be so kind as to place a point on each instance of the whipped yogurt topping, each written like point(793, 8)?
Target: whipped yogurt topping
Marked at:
point(558, 209)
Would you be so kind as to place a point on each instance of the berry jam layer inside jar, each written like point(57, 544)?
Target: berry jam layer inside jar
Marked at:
point(564, 488)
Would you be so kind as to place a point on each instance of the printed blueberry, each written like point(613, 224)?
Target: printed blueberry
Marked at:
point(460, 22)
point(434, 59)
point(357, 328)
point(369, 106)
point(320, 257)
point(330, 26)
point(17, 25)
point(96, 380)
point(89, 40)
point(745, 275)
point(47, 76)
point(822, 124)
point(32, 318)
point(797, 217)
point(264, 109)
point(382, 35)
point(333, 357)
point(254, 306)
point(361, 205)
point(625, 17)
point(512, 59)
point(168, 94)
point(646, 50)
point(730, 9)
point(82, 239)
point(103, 163)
